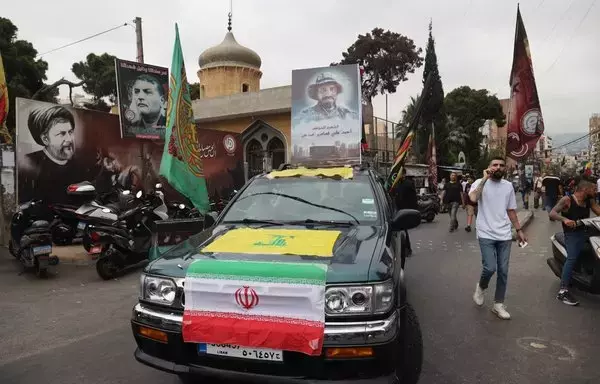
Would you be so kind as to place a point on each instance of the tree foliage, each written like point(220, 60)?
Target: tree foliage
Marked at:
point(387, 57)
point(194, 90)
point(25, 74)
point(470, 108)
point(433, 108)
point(98, 72)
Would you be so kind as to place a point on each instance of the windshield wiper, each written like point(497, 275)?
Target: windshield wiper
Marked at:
point(337, 223)
point(253, 221)
point(302, 201)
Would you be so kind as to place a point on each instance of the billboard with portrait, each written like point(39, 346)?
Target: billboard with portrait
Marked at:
point(326, 115)
point(59, 145)
point(142, 93)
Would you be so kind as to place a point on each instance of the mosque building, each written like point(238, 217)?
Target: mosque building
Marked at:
point(231, 100)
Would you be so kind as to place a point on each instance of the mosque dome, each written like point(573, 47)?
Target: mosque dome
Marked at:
point(229, 53)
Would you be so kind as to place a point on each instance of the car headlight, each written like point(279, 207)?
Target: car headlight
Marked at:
point(359, 299)
point(158, 290)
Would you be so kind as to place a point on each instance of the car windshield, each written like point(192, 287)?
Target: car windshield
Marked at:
point(300, 199)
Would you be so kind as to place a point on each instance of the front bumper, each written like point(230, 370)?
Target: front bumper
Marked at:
point(178, 357)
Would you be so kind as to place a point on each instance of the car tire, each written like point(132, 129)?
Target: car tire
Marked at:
point(409, 368)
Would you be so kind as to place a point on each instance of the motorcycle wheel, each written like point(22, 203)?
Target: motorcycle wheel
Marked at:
point(42, 273)
point(429, 217)
point(11, 249)
point(106, 269)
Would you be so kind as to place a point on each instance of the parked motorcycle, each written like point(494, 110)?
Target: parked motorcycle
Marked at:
point(428, 206)
point(127, 241)
point(31, 240)
point(586, 274)
point(86, 207)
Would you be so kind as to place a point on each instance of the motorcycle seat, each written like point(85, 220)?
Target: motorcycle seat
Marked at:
point(40, 224)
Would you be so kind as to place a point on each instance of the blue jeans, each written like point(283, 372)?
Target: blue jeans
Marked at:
point(453, 210)
point(574, 242)
point(495, 255)
point(550, 202)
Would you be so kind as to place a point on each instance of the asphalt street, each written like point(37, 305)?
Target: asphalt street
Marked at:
point(74, 328)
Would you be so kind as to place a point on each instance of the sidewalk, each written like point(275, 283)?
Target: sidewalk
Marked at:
point(73, 254)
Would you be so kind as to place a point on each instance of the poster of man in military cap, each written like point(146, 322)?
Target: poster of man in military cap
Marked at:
point(326, 114)
point(142, 93)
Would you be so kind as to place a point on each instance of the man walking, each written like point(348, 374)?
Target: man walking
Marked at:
point(553, 189)
point(470, 206)
point(568, 210)
point(453, 197)
point(497, 210)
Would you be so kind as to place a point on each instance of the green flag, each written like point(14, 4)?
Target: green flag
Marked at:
point(181, 163)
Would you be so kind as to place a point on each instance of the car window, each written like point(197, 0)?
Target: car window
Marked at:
point(278, 199)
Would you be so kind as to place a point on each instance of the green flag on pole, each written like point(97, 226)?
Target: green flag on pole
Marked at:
point(181, 163)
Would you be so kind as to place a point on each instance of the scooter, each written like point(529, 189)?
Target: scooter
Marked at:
point(428, 207)
point(31, 240)
point(86, 207)
point(127, 241)
point(586, 273)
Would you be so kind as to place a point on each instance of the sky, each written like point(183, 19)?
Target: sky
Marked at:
point(474, 41)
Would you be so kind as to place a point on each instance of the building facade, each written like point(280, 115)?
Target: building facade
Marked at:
point(231, 100)
point(594, 146)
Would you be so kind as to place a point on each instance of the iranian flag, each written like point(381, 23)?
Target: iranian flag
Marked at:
point(256, 304)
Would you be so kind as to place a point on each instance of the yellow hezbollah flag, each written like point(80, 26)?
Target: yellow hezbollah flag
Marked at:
point(301, 242)
point(3, 104)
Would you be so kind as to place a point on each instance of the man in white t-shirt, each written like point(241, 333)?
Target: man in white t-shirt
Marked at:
point(495, 197)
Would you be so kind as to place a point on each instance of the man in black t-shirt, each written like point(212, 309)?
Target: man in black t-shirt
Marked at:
point(453, 197)
point(553, 187)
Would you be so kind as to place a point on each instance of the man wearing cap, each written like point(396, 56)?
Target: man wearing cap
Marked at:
point(325, 91)
point(47, 173)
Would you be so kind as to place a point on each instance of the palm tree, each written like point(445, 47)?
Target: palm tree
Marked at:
point(407, 116)
point(457, 134)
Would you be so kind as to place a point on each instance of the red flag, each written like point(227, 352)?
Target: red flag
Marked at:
point(432, 160)
point(525, 122)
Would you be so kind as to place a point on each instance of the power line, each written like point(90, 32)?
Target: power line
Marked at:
point(84, 39)
point(572, 35)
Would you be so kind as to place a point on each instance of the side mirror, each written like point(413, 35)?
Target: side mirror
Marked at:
point(138, 194)
point(126, 192)
point(406, 219)
point(210, 218)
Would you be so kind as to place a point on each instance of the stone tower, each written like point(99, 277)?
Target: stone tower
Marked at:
point(228, 68)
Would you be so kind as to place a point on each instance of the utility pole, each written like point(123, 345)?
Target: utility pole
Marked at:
point(140, 59)
point(139, 40)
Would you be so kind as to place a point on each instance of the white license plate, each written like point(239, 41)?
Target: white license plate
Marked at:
point(241, 352)
point(42, 250)
point(81, 225)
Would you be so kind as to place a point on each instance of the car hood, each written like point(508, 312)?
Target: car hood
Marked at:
point(359, 254)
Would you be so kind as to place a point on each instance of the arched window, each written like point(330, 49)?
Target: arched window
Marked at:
point(276, 150)
point(245, 87)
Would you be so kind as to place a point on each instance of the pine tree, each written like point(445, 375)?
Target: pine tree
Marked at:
point(433, 108)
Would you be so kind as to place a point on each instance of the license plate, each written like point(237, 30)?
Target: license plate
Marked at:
point(241, 352)
point(81, 225)
point(42, 250)
point(96, 249)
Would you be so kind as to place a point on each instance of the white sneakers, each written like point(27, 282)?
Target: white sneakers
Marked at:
point(478, 297)
point(498, 309)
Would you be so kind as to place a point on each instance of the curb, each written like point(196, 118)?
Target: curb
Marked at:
point(525, 221)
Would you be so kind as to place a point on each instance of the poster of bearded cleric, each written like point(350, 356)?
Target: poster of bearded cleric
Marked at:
point(142, 92)
point(60, 145)
point(326, 115)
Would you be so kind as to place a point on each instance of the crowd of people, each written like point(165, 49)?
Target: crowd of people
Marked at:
point(491, 199)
